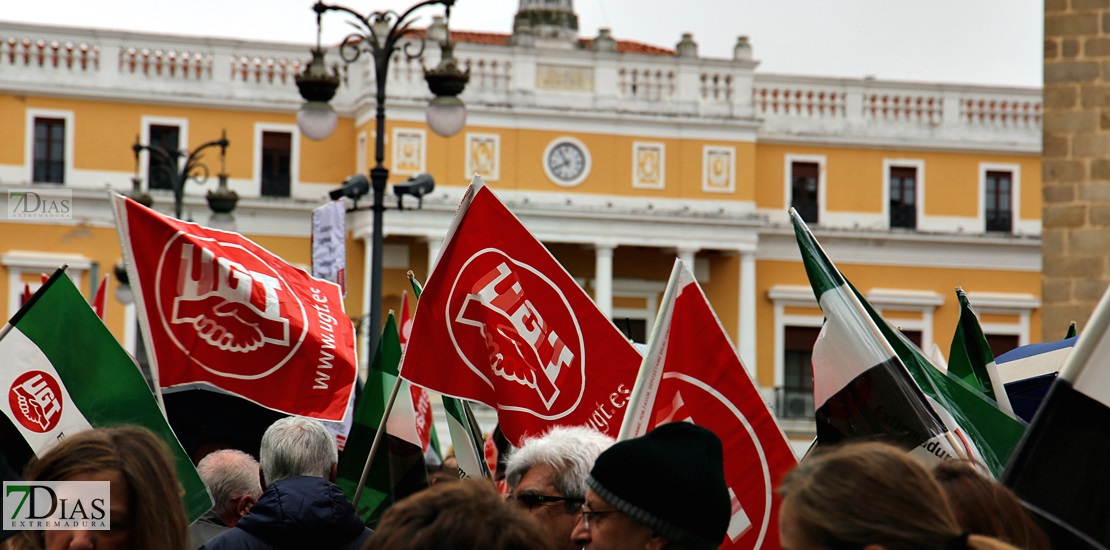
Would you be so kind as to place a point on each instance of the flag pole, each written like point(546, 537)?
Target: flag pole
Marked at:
point(641, 392)
point(376, 443)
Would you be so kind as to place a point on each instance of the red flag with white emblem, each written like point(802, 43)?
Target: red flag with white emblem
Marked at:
point(501, 322)
point(691, 373)
point(218, 309)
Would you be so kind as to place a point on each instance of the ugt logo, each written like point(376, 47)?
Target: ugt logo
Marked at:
point(226, 309)
point(35, 398)
point(530, 343)
point(61, 505)
point(55, 204)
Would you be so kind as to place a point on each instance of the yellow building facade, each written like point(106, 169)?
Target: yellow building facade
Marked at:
point(913, 188)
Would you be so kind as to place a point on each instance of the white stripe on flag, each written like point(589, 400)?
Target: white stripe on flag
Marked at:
point(840, 343)
point(465, 453)
point(1085, 367)
point(21, 355)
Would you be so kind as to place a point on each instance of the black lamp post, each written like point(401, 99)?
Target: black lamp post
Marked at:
point(380, 35)
point(222, 201)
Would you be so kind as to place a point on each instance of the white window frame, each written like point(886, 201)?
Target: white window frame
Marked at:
point(784, 296)
point(924, 301)
point(1006, 303)
point(1015, 193)
point(649, 291)
point(29, 142)
point(182, 143)
point(253, 186)
point(19, 263)
point(919, 187)
point(822, 185)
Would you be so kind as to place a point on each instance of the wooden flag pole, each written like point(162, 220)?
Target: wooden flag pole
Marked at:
point(377, 441)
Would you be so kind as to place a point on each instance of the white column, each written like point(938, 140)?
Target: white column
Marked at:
point(747, 326)
point(130, 329)
point(686, 254)
point(603, 277)
point(434, 245)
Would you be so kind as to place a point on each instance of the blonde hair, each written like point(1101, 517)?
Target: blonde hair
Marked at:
point(872, 493)
point(144, 462)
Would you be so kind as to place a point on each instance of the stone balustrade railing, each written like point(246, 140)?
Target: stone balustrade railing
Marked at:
point(586, 82)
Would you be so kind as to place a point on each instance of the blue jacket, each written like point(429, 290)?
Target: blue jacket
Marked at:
point(299, 512)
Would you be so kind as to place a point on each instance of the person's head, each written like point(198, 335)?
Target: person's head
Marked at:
point(665, 489)
point(450, 465)
point(465, 514)
point(867, 495)
point(146, 506)
point(297, 446)
point(547, 477)
point(231, 477)
point(985, 507)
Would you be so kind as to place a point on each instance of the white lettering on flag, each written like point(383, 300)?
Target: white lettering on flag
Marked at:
point(739, 523)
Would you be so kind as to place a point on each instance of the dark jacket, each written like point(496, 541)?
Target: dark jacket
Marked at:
point(299, 512)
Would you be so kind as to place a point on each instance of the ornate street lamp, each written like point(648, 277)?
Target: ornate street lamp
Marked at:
point(380, 35)
point(222, 201)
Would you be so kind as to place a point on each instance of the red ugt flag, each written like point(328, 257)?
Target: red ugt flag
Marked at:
point(691, 373)
point(501, 322)
point(218, 309)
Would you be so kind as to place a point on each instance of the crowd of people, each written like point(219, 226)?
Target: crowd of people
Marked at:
point(568, 488)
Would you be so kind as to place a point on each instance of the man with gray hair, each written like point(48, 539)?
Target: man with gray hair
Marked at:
point(301, 506)
point(547, 477)
point(231, 477)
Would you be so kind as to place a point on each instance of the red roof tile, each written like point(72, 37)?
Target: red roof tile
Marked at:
point(498, 39)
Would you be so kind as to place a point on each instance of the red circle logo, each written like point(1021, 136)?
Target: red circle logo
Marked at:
point(226, 309)
point(514, 328)
point(35, 399)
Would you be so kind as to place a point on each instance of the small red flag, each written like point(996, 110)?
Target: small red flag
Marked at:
point(100, 298)
point(691, 373)
point(501, 322)
point(218, 309)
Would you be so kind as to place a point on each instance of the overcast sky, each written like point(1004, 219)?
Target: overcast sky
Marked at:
point(960, 41)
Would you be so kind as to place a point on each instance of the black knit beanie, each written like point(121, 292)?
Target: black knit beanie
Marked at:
point(671, 479)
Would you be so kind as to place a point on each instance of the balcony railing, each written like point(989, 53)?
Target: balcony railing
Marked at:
point(793, 403)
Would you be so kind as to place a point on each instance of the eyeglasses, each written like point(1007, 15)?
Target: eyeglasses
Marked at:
point(588, 514)
point(533, 500)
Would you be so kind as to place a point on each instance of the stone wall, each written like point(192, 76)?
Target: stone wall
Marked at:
point(1076, 231)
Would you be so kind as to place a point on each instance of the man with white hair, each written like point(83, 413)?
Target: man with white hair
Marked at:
point(231, 477)
point(301, 506)
point(547, 477)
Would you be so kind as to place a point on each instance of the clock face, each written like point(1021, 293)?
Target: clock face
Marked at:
point(567, 162)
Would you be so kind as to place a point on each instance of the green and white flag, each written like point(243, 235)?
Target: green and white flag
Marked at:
point(970, 356)
point(64, 373)
point(398, 469)
point(466, 438)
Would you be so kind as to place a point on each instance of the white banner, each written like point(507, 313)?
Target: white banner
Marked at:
point(329, 243)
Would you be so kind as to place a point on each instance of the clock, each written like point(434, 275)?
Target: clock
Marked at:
point(566, 161)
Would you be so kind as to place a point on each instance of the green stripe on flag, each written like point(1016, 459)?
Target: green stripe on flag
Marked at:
point(100, 377)
point(965, 356)
point(398, 468)
point(994, 433)
point(821, 277)
point(466, 438)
